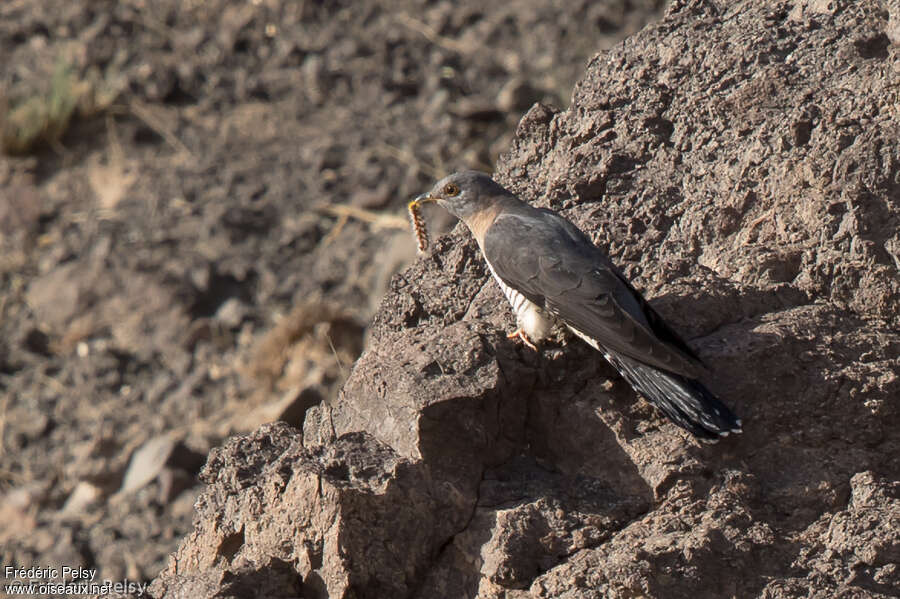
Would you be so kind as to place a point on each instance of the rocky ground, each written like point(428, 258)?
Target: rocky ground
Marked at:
point(201, 205)
point(740, 161)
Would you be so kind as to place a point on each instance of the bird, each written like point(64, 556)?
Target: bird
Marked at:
point(554, 277)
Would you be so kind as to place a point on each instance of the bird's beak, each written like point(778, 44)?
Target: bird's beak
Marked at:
point(424, 198)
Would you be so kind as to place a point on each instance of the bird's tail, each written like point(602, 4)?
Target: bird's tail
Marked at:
point(685, 401)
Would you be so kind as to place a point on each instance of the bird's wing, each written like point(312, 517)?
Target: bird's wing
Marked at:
point(552, 263)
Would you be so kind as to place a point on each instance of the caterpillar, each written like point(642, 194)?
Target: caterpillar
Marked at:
point(418, 223)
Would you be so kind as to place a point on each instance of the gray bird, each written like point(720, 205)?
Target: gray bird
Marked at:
point(553, 275)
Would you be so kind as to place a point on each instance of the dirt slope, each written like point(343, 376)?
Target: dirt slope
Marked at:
point(741, 162)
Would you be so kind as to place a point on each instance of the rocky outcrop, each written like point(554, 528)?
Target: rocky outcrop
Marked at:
point(741, 162)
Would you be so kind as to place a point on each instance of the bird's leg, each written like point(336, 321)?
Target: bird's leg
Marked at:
point(520, 334)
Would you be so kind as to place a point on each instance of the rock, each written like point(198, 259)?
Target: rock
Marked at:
point(893, 28)
point(17, 510)
point(82, 497)
point(856, 547)
point(232, 313)
point(147, 462)
point(868, 531)
point(356, 493)
point(20, 208)
point(61, 293)
point(153, 457)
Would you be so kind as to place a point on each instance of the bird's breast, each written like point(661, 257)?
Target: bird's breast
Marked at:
point(534, 321)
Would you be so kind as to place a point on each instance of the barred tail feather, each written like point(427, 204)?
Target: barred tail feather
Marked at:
point(685, 401)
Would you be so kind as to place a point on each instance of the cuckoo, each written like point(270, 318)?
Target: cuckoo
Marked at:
point(554, 276)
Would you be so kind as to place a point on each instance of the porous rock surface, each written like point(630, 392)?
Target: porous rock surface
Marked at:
point(199, 252)
point(741, 162)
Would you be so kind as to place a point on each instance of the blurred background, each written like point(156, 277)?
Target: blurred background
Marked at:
point(201, 207)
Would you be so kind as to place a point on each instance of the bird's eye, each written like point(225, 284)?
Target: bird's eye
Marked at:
point(451, 189)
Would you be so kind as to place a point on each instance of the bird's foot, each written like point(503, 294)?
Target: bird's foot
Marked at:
point(520, 334)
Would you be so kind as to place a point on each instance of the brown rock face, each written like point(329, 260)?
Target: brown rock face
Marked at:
point(740, 161)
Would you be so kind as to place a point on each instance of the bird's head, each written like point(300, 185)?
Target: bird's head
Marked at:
point(465, 194)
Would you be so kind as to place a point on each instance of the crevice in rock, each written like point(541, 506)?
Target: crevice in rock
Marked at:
point(230, 545)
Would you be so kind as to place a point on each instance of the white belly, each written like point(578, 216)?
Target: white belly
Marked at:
point(530, 318)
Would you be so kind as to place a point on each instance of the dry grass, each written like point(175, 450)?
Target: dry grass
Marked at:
point(37, 114)
point(315, 334)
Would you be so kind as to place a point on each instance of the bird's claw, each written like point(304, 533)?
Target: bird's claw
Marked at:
point(520, 334)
